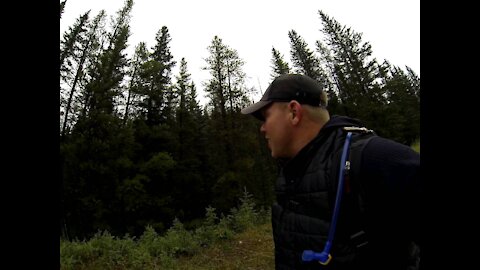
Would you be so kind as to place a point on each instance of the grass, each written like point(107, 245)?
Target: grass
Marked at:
point(251, 249)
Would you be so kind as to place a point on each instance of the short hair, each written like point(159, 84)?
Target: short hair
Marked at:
point(317, 114)
point(323, 99)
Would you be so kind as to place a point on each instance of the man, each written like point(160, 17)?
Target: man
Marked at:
point(378, 205)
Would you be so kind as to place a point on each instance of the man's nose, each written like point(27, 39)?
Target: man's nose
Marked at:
point(262, 128)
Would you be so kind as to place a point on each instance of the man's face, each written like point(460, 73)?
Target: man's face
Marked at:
point(277, 129)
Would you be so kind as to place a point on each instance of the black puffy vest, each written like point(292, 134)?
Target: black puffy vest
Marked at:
point(305, 190)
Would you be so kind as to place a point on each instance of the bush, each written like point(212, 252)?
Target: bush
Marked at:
point(76, 254)
point(245, 216)
point(150, 242)
point(224, 228)
point(113, 252)
point(207, 233)
point(105, 251)
point(179, 241)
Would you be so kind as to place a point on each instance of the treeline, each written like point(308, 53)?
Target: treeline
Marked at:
point(137, 149)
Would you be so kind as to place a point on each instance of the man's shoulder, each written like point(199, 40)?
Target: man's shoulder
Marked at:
point(397, 164)
point(384, 148)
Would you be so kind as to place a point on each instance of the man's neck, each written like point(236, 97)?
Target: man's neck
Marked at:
point(305, 135)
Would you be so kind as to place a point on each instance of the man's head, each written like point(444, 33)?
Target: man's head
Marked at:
point(289, 87)
point(293, 110)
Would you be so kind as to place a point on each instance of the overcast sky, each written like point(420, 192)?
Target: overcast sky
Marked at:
point(253, 27)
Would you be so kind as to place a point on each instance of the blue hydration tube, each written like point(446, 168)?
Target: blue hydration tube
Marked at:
point(324, 257)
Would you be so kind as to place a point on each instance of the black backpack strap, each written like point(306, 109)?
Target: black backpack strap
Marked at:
point(356, 150)
point(362, 137)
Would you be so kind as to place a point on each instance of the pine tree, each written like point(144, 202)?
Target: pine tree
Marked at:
point(139, 59)
point(85, 45)
point(156, 89)
point(70, 38)
point(414, 81)
point(303, 59)
point(109, 69)
point(163, 55)
point(226, 90)
point(188, 173)
point(279, 65)
point(354, 73)
point(331, 82)
point(155, 158)
point(217, 91)
point(69, 48)
point(62, 7)
point(97, 154)
point(183, 81)
point(401, 120)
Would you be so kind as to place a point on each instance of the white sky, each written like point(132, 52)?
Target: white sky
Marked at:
point(253, 27)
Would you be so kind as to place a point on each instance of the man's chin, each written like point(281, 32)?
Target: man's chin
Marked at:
point(276, 155)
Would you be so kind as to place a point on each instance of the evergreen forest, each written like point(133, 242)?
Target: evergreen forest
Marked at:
point(138, 150)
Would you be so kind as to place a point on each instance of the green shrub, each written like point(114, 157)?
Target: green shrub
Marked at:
point(76, 254)
point(245, 216)
point(150, 242)
point(152, 251)
point(206, 234)
point(179, 241)
point(113, 252)
point(223, 229)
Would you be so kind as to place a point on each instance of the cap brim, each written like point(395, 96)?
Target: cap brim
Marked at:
point(255, 108)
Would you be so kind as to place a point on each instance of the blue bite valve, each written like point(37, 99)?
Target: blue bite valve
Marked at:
point(308, 255)
point(321, 257)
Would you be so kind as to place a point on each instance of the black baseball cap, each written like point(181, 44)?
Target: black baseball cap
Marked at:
point(288, 87)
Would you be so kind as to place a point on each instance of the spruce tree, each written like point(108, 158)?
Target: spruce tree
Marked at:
point(227, 92)
point(401, 120)
point(62, 7)
point(304, 59)
point(353, 66)
point(354, 71)
point(279, 66)
point(157, 90)
point(85, 45)
point(97, 155)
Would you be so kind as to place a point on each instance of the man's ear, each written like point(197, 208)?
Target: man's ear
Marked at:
point(295, 111)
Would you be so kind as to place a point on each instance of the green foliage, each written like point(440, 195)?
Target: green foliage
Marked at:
point(75, 253)
point(159, 164)
point(251, 249)
point(104, 251)
point(224, 227)
point(279, 65)
point(112, 252)
point(178, 241)
point(245, 216)
point(416, 145)
point(303, 59)
point(62, 7)
point(208, 232)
